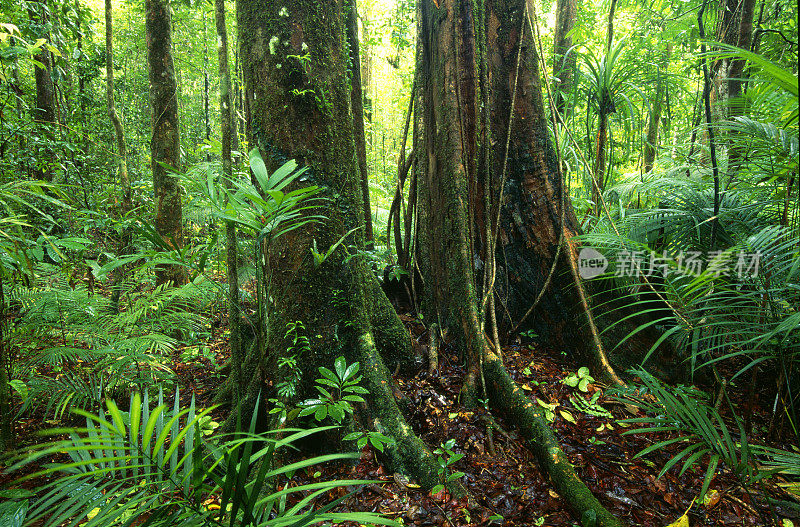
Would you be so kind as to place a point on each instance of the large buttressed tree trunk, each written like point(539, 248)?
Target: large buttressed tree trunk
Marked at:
point(535, 214)
point(165, 145)
point(301, 109)
point(454, 211)
point(447, 167)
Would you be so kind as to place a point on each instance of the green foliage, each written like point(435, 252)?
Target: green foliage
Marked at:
point(376, 439)
point(76, 350)
point(290, 371)
point(319, 258)
point(591, 407)
point(580, 379)
point(152, 464)
point(446, 457)
point(688, 420)
point(337, 392)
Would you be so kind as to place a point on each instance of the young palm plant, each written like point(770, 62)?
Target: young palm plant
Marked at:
point(152, 466)
point(607, 84)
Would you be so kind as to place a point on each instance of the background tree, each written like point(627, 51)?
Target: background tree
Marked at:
point(227, 133)
point(357, 99)
point(165, 144)
point(126, 203)
point(45, 110)
point(651, 136)
point(564, 57)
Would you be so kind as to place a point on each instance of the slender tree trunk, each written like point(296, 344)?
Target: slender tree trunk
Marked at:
point(126, 203)
point(736, 82)
point(80, 68)
point(206, 89)
point(165, 145)
point(651, 142)
point(563, 63)
point(606, 108)
point(339, 302)
point(366, 69)
point(227, 132)
point(45, 111)
point(356, 97)
point(6, 424)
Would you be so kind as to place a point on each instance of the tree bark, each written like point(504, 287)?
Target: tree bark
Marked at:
point(164, 146)
point(45, 112)
point(366, 68)
point(232, 247)
point(737, 30)
point(449, 167)
point(451, 210)
point(563, 63)
point(357, 101)
point(301, 109)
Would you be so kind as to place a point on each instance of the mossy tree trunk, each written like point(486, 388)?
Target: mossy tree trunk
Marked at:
point(165, 145)
point(452, 216)
point(301, 109)
point(447, 169)
point(45, 111)
point(227, 134)
point(357, 98)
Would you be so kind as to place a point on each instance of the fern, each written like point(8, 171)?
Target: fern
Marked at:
point(105, 352)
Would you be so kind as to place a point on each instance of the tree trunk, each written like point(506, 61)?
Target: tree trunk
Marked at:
point(735, 79)
point(45, 112)
point(451, 204)
point(206, 87)
point(81, 68)
point(126, 203)
point(449, 167)
point(366, 69)
point(164, 146)
point(651, 142)
point(232, 246)
point(6, 424)
point(301, 109)
point(356, 97)
point(563, 64)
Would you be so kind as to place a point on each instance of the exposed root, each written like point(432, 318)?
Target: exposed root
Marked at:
point(509, 399)
point(408, 455)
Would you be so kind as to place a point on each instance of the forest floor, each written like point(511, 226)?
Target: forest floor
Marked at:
point(504, 483)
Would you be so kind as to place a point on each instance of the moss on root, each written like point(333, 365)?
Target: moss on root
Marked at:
point(510, 400)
